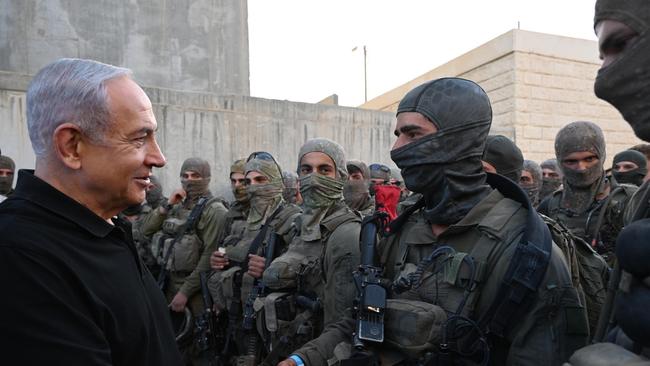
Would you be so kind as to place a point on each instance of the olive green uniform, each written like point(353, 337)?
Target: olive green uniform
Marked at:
point(553, 327)
point(185, 277)
point(600, 224)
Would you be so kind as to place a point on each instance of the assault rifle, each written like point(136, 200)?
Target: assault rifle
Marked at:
point(208, 332)
point(189, 224)
point(370, 305)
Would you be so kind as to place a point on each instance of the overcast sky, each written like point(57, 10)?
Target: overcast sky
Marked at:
point(301, 50)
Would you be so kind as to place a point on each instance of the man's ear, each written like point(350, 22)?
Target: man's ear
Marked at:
point(67, 140)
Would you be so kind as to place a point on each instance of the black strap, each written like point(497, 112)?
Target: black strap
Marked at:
point(527, 266)
point(189, 224)
point(259, 238)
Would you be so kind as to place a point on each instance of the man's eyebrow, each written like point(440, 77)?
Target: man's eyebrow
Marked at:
point(407, 128)
point(143, 130)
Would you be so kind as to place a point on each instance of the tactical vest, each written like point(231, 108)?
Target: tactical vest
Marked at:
point(453, 281)
point(187, 249)
point(600, 224)
point(293, 314)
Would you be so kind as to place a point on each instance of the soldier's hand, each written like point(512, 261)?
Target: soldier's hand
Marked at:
point(219, 260)
point(178, 302)
point(287, 362)
point(177, 196)
point(255, 265)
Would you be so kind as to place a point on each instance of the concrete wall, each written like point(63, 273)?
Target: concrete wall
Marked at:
point(196, 45)
point(537, 83)
point(221, 129)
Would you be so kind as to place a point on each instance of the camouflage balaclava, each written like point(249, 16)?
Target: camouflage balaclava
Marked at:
point(504, 156)
point(624, 83)
point(446, 166)
point(635, 176)
point(155, 193)
point(355, 192)
point(581, 186)
point(290, 180)
point(239, 166)
point(6, 182)
point(550, 185)
point(266, 197)
point(533, 188)
point(320, 193)
point(197, 188)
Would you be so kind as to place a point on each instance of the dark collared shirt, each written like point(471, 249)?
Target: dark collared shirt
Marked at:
point(74, 291)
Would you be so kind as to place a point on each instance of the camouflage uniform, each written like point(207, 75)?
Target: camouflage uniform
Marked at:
point(232, 287)
point(319, 262)
point(478, 230)
point(584, 205)
point(191, 254)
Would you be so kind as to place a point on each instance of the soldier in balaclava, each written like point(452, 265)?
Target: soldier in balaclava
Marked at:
point(192, 243)
point(629, 167)
point(503, 157)
point(551, 178)
point(7, 170)
point(588, 204)
point(356, 190)
point(379, 175)
point(464, 221)
point(291, 188)
point(136, 214)
point(320, 260)
point(531, 180)
point(240, 262)
point(623, 30)
point(155, 196)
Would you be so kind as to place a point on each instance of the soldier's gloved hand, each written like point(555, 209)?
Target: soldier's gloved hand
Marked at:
point(255, 265)
point(219, 260)
point(177, 196)
point(287, 362)
point(178, 302)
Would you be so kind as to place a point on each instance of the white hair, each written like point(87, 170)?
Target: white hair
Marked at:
point(69, 90)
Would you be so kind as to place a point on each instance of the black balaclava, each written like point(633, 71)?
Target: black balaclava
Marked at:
point(624, 83)
point(197, 188)
point(504, 156)
point(581, 186)
point(532, 189)
point(446, 166)
point(635, 176)
point(550, 185)
point(155, 193)
point(6, 182)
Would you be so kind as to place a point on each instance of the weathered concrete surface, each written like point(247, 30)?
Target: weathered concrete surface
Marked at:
point(195, 45)
point(224, 128)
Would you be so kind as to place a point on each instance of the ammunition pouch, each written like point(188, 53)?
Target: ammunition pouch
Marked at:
point(185, 253)
point(300, 260)
point(173, 226)
point(412, 326)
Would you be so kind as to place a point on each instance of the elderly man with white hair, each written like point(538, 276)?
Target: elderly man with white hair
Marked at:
point(75, 291)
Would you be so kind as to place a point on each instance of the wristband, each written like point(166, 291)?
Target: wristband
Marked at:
point(298, 360)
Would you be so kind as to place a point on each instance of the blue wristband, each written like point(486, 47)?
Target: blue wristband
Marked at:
point(297, 359)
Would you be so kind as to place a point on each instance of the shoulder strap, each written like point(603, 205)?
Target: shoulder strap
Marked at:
point(527, 266)
point(259, 238)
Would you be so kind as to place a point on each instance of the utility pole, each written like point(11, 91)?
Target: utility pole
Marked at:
point(365, 72)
